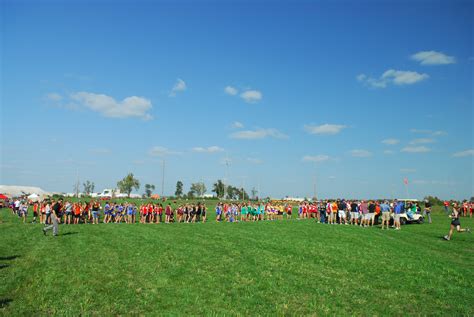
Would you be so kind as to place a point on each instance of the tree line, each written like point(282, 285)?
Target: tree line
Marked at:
point(198, 189)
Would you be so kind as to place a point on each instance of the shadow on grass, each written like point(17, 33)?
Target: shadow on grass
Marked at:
point(13, 257)
point(4, 302)
point(69, 233)
point(3, 266)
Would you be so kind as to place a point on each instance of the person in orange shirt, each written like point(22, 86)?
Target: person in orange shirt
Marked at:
point(77, 213)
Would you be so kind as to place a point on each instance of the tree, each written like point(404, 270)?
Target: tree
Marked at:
point(231, 192)
point(198, 188)
point(128, 183)
point(179, 189)
point(149, 188)
point(434, 200)
point(190, 194)
point(218, 188)
point(88, 187)
point(242, 194)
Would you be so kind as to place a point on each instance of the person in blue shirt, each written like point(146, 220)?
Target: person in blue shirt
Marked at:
point(385, 210)
point(106, 212)
point(218, 212)
point(399, 209)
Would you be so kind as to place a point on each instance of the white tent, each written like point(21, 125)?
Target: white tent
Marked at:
point(34, 197)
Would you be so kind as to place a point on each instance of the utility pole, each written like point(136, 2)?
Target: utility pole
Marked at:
point(314, 183)
point(163, 179)
point(77, 183)
point(226, 172)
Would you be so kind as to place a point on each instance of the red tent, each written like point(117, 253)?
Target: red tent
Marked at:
point(2, 196)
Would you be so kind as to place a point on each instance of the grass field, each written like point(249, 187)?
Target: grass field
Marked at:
point(267, 268)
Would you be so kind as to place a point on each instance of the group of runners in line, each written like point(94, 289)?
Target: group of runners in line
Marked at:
point(359, 213)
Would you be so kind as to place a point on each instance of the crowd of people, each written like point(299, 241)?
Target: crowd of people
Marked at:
point(343, 212)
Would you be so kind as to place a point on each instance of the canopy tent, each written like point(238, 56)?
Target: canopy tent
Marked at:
point(2, 196)
point(34, 197)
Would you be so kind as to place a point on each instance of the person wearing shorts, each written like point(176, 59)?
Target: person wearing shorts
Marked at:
point(203, 213)
point(385, 209)
point(455, 223)
point(399, 208)
point(95, 213)
point(289, 210)
point(35, 211)
point(342, 207)
point(371, 216)
point(243, 213)
point(364, 211)
point(68, 212)
point(168, 212)
point(354, 213)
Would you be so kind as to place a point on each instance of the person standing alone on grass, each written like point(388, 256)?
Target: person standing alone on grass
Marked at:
point(428, 210)
point(455, 223)
point(55, 215)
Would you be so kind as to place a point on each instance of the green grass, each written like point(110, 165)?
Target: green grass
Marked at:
point(267, 268)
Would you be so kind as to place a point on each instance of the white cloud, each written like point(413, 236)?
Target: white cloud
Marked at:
point(361, 153)
point(429, 132)
point(433, 58)
point(210, 149)
point(254, 160)
point(55, 97)
point(100, 151)
point(332, 177)
point(109, 107)
point(258, 134)
point(408, 170)
point(178, 87)
point(324, 128)
point(161, 151)
point(433, 182)
point(315, 158)
point(422, 141)
point(400, 77)
point(231, 90)
point(416, 149)
point(391, 141)
point(388, 152)
point(251, 96)
point(237, 125)
point(392, 76)
point(439, 133)
point(464, 153)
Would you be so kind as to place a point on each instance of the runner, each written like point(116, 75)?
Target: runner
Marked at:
point(455, 223)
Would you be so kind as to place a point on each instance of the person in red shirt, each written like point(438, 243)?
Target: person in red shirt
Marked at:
point(305, 210)
point(289, 210)
point(446, 207)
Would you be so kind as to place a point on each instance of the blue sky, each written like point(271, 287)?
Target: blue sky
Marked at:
point(352, 96)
